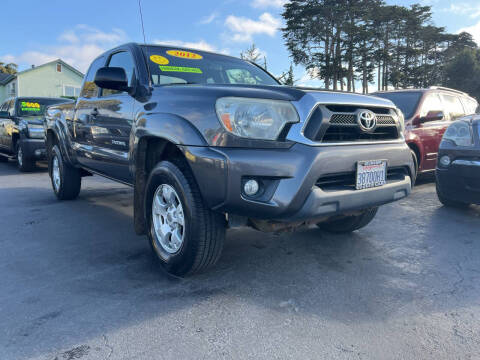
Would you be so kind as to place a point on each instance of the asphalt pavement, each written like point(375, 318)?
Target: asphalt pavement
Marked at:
point(77, 283)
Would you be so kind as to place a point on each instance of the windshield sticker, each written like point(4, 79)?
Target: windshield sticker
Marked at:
point(30, 106)
point(184, 54)
point(158, 59)
point(183, 69)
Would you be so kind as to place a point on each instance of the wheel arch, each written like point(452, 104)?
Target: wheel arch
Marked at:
point(416, 149)
point(150, 151)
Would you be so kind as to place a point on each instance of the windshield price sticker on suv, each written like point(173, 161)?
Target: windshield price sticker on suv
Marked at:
point(371, 174)
point(30, 106)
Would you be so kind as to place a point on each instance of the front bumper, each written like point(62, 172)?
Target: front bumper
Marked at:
point(291, 177)
point(460, 181)
point(34, 148)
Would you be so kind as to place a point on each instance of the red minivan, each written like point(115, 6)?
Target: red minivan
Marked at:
point(428, 112)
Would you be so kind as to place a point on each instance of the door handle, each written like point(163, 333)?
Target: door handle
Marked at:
point(94, 112)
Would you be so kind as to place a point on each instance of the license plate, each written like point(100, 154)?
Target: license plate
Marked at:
point(371, 173)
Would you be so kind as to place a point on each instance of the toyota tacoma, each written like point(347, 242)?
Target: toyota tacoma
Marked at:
point(209, 141)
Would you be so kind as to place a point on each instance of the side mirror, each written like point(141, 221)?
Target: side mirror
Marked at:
point(114, 78)
point(5, 115)
point(433, 115)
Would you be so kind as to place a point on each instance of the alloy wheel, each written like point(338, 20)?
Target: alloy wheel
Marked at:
point(168, 219)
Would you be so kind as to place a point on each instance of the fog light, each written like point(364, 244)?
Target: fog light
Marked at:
point(445, 160)
point(251, 187)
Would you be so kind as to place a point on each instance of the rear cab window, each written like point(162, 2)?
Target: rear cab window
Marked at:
point(169, 66)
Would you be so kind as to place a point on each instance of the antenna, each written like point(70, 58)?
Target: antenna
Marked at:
point(145, 43)
point(141, 19)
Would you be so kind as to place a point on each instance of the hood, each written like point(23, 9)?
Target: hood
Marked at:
point(280, 92)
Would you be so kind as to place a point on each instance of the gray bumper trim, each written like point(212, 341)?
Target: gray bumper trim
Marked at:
point(321, 203)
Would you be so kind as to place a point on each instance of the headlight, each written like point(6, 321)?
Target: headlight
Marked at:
point(35, 131)
point(255, 118)
point(460, 133)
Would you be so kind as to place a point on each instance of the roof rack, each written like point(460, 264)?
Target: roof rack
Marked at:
point(448, 89)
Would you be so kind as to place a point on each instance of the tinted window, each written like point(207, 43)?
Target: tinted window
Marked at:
point(470, 106)
point(125, 61)
point(89, 89)
point(173, 66)
point(453, 106)
point(405, 101)
point(431, 102)
point(35, 106)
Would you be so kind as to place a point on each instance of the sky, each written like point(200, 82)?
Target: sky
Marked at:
point(35, 32)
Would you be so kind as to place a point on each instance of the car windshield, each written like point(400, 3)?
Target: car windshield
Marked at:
point(35, 106)
point(405, 101)
point(169, 66)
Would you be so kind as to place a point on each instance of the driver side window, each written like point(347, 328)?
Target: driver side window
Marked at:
point(432, 102)
point(453, 106)
point(89, 89)
point(122, 60)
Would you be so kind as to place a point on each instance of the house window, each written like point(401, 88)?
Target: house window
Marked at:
point(71, 91)
point(12, 89)
point(59, 67)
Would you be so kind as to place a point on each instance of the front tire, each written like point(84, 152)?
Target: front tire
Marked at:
point(185, 236)
point(449, 202)
point(24, 162)
point(349, 224)
point(66, 179)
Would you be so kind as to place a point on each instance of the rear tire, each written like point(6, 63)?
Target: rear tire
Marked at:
point(185, 236)
point(66, 179)
point(449, 202)
point(24, 162)
point(349, 224)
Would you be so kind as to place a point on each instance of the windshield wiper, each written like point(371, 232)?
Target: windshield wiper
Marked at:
point(180, 83)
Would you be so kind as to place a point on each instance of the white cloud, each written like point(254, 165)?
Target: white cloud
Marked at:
point(77, 46)
point(268, 3)
point(463, 8)
point(474, 30)
point(310, 79)
point(243, 28)
point(199, 45)
point(208, 19)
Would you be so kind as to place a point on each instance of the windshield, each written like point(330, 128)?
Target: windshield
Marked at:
point(405, 101)
point(169, 65)
point(35, 106)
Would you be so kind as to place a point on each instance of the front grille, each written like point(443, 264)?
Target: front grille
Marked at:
point(351, 119)
point(346, 181)
point(344, 119)
point(340, 133)
point(338, 123)
point(354, 108)
point(385, 120)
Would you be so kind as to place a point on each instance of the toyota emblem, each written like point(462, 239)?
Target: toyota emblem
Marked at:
point(367, 120)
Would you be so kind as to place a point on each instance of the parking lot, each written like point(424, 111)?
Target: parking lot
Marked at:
point(77, 283)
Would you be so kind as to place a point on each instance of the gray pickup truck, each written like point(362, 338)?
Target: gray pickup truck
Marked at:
point(209, 141)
